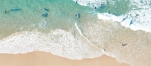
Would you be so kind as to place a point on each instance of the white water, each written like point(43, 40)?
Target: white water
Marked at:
point(58, 42)
point(140, 16)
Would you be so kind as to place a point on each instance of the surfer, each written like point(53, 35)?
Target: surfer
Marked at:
point(45, 9)
point(15, 9)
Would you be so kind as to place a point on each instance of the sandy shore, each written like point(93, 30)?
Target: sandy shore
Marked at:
point(47, 59)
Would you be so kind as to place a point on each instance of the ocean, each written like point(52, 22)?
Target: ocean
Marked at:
point(117, 28)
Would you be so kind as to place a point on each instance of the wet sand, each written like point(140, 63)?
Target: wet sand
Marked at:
point(47, 59)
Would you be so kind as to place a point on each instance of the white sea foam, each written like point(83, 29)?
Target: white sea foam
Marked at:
point(141, 20)
point(78, 29)
point(92, 3)
point(42, 24)
point(106, 16)
point(58, 42)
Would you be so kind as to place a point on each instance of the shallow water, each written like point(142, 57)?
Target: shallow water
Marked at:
point(60, 15)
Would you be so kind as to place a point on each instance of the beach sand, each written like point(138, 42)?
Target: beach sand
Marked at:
point(47, 59)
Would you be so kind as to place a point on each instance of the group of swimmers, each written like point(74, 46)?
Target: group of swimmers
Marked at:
point(17, 9)
point(46, 10)
point(45, 14)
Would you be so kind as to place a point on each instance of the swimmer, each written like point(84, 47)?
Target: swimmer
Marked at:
point(45, 14)
point(124, 19)
point(76, 2)
point(94, 8)
point(6, 11)
point(77, 15)
point(131, 22)
point(101, 6)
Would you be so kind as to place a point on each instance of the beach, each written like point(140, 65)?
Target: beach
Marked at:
point(47, 59)
point(75, 33)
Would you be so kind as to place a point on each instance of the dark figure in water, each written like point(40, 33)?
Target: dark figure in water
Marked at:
point(15, 9)
point(101, 6)
point(45, 9)
point(94, 8)
point(45, 14)
point(77, 15)
point(124, 44)
point(76, 2)
point(6, 11)
point(131, 22)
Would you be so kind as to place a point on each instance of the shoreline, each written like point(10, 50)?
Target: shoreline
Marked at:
point(37, 58)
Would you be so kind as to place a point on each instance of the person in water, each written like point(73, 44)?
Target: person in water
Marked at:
point(75, 14)
point(101, 6)
point(15, 9)
point(46, 9)
point(45, 14)
point(76, 2)
point(6, 11)
point(124, 19)
point(94, 8)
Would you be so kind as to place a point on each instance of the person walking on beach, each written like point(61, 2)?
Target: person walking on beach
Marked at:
point(124, 44)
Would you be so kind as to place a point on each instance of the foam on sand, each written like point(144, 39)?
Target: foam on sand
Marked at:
point(58, 42)
point(111, 35)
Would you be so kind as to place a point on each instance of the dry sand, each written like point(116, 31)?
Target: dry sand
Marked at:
point(47, 59)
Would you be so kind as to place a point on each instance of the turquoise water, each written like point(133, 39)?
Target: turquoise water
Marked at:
point(61, 15)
